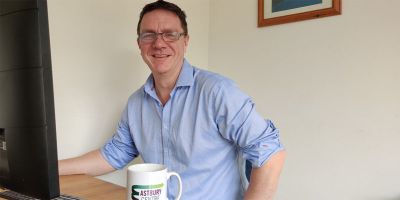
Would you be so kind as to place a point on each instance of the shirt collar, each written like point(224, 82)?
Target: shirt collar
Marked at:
point(185, 78)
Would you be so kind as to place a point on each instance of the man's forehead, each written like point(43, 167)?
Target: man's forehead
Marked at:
point(160, 19)
point(162, 15)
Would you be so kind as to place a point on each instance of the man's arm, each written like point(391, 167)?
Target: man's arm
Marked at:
point(264, 180)
point(92, 163)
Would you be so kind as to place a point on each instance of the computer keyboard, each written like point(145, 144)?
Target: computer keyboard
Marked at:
point(11, 195)
point(67, 197)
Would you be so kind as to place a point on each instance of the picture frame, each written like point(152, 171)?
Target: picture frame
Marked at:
point(273, 12)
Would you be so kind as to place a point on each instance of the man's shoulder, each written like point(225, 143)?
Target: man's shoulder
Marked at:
point(136, 95)
point(209, 79)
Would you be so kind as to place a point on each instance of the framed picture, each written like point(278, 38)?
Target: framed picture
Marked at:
point(272, 12)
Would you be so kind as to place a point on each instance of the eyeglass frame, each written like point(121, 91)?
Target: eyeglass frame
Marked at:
point(163, 36)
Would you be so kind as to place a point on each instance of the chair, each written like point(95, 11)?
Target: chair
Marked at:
point(248, 169)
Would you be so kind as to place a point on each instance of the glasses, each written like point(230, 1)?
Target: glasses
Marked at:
point(150, 37)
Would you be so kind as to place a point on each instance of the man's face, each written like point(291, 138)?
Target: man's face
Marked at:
point(162, 57)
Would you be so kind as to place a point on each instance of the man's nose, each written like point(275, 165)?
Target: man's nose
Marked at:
point(159, 42)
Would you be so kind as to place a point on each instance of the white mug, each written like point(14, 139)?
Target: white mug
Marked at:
point(149, 182)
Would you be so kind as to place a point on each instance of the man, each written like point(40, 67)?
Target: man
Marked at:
point(195, 122)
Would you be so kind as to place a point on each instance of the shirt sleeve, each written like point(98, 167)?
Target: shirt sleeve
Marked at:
point(238, 122)
point(120, 149)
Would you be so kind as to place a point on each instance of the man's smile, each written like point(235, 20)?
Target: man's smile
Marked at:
point(160, 55)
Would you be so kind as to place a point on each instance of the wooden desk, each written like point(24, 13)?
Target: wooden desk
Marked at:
point(88, 188)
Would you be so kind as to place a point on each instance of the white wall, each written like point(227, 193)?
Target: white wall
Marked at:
point(97, 65)
point(332, 87)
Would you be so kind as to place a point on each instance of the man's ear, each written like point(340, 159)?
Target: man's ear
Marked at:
point(186, 42)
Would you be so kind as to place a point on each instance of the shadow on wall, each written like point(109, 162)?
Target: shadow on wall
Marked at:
point(397, 197)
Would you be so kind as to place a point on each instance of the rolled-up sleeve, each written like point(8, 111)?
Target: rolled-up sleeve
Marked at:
point(264, 146)
point(258, 139)
point(120, 149)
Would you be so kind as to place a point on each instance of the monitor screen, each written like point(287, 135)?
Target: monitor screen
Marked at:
point(28, 147)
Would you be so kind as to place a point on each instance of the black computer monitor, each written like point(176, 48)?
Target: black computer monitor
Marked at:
point(28, 147)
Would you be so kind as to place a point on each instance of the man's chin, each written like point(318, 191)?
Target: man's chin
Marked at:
point(160, 69)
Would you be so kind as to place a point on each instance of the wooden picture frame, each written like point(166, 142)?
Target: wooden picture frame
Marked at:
point(268, 17)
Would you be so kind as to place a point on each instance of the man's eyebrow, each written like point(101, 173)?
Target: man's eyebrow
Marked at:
point(169, 30)
point(147, 31)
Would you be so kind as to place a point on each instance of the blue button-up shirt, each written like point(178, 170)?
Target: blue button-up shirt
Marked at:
point(204, 131)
